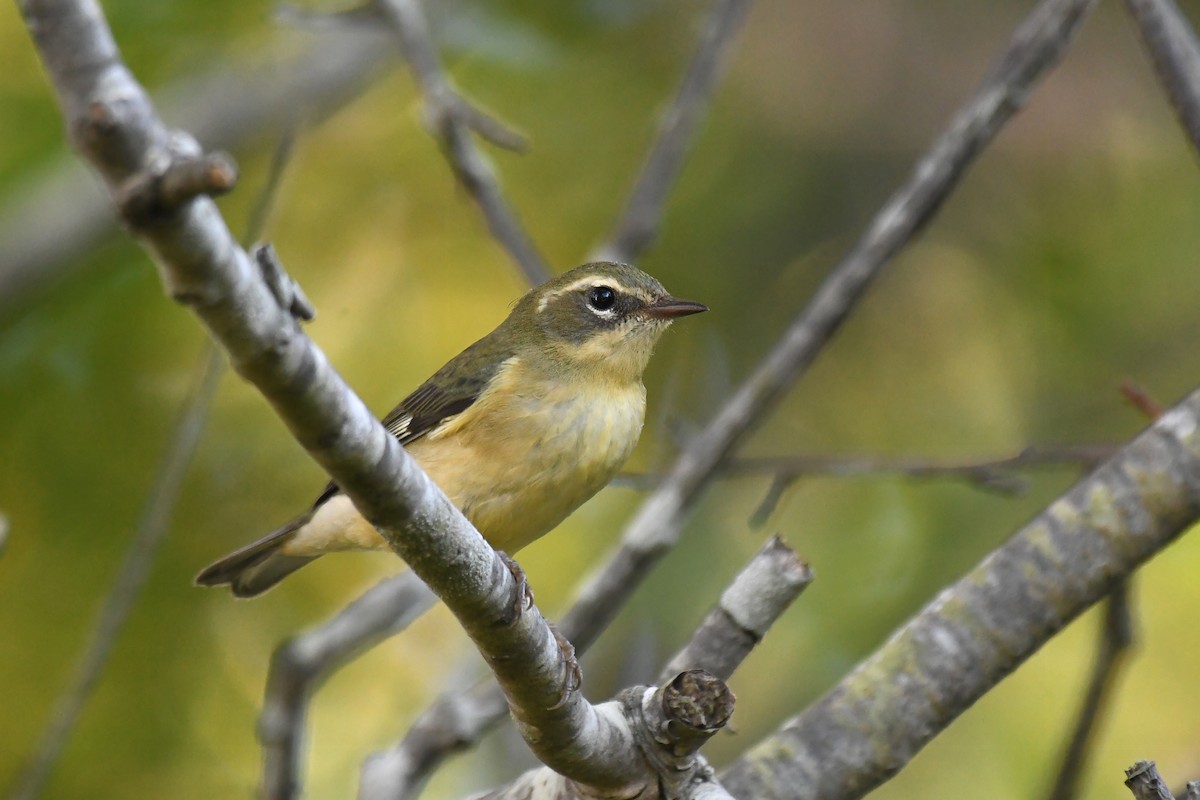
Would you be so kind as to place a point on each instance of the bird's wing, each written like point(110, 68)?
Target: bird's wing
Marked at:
point(450, 391)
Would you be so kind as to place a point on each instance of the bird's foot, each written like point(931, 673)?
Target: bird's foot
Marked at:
point(573, 675)
point(524, 592)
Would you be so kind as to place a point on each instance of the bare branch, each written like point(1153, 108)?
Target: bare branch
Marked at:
point(113, 124)
point(670, 725)
point(1035, 47)
point(1169, 38)
point(639, 222)
point(1146, 783)
point(139, 558)
point(1116, 637)
point(992, 473)
point(301, 664)
point(978, 630)
point(757, 597)
point(451, 120)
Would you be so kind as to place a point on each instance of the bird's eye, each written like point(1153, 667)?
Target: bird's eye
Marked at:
point(602, 298)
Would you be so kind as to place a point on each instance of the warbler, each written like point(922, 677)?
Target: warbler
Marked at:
point(518, 430)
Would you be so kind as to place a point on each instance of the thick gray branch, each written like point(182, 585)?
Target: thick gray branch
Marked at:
point(113, 125)
point(980, 629)
point(1146, 783)
point(670, 724)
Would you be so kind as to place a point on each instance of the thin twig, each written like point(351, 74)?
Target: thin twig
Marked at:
point(639, 222)
point(990, 473)
point(139, 558)
point(1116, 637)
point(451, 119)
point(1034, 48)
point(1169, 38)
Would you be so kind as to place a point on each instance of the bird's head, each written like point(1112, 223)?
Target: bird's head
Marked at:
point(602, 318)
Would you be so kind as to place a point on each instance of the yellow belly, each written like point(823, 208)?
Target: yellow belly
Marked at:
point(516, 463)
point(518, 468)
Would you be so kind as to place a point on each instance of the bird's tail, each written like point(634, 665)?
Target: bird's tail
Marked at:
point(258, 566)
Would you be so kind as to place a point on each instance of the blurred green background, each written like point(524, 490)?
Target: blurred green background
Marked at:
point(1064, 264)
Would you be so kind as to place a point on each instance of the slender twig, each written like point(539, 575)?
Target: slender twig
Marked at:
point(152, 529)
point(1169, 38)
point(1116, 637)
point(452, 121)
point(990, 473)
point(301, 664)
point(640, 219)
point(1035, 47)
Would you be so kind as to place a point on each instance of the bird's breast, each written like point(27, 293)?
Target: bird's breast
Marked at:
point(529, 452)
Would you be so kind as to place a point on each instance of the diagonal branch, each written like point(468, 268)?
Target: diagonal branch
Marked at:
point(113, 125)
point(1116, 637)
point(759, 594)
point(456, 722)
point(139, 558)
point(639, 222)
point(452, 120)
point(1169, 38)
point(1034, 48)
point(980, 629)
point(301, 664)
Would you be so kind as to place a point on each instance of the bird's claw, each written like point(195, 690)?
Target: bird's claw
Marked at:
point(524, 592)
point(573, 677)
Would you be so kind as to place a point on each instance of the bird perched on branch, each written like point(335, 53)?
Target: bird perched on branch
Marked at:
point(518, 430)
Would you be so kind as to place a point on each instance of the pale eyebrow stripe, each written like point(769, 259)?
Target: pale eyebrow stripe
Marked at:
point(579, 284)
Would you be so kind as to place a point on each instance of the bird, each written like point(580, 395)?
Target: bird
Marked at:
point(519, 429)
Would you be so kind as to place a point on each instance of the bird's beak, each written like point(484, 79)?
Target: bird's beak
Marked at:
point(669, 308)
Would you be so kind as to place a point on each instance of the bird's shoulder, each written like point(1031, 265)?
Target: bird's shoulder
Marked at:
point(449, 392)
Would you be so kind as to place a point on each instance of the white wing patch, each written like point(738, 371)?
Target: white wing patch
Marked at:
point(399, 428)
